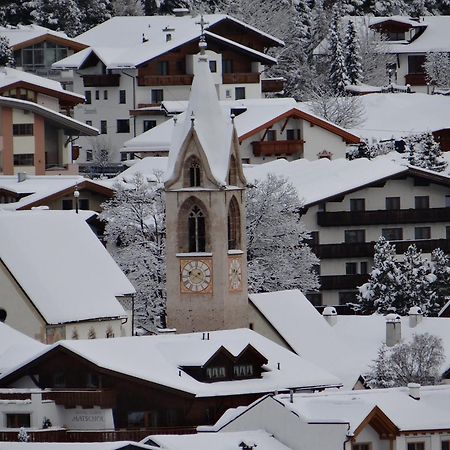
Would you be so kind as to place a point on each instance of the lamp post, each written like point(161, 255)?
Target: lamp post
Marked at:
point(76, 194)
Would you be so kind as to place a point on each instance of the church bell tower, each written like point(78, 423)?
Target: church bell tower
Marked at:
point(205, 216)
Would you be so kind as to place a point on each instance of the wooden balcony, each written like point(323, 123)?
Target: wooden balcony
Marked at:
point(278, 148)
point(416, 79)
point(112, 80)
point(382, 217)
point(238, 78)
point(272, 84)
point(84, 398)
point(165, 80)
point(62, 435)
point(365, 249)
point(333, 282)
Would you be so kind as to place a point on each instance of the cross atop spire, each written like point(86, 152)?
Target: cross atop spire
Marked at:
point(202, 44)
point(202, 24)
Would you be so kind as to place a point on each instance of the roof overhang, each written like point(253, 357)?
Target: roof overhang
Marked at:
point(74, 45)
point(70, 126)
point(380, 422)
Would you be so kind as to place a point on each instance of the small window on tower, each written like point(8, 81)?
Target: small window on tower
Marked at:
point(194, 173)
point(196, 224)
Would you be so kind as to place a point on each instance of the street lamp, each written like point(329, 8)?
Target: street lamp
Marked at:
point(76, 194)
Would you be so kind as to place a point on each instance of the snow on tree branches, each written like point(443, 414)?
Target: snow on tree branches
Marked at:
point(425, 152)
point(277, 252)
point(136, 234)
point(6, 54)
point(397, 285)
point(352, 55)
point(417, 361)
point(437, 68)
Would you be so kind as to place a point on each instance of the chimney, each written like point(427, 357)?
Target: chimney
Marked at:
point(21, 176)
point(415, 316)
point(414, 390)
point(330, 315)
point(393, 329)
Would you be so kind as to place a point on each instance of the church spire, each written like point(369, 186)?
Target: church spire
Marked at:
point(213, 130)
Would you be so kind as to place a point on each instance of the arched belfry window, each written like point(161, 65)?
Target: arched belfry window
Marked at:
point(234, 225)
point(232, 174)
point(196, 230)
point(192, 172)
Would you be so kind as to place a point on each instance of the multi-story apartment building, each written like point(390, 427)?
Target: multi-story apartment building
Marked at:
point(348, 205)
point(154, 61)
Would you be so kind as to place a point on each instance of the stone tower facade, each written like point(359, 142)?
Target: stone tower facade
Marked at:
point(205, 217)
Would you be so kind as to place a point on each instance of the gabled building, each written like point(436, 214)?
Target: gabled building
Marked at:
point(156, 384)
point(36, 137)
point(58, 281)
point(348, 205)
point(156, 61)
point(36, 48)
point(267, 129)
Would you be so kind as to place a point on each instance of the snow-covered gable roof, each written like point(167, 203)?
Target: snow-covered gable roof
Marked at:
point(66, 122)
point(400, 115)
point(36, 189)
point(165, 354)
point(204, 120)
point(16, 347)
point(10, 76)
point(259, 114)
point(219, 441)
point(22, 34)
point(406, 413)
point(54, 252)
point(118, 445)
point(146, 36)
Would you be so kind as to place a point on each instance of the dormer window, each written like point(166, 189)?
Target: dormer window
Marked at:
point(215, 373)
point(243, 370)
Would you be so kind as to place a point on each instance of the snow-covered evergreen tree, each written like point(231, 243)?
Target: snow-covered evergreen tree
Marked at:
point(417, 361)
point(380, 293)
point(352, 55)
point(437, 68)
point(278, 256)
point(440, 278)
point(416, 282)
point(337, 71)
point(167, 6)
point(60, 15)
point(135, 233)
point(127, 7)
point(94, 12)
point(6, 54)
point(425, 152)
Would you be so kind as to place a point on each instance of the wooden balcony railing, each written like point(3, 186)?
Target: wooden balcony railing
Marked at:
point(365, 249)
point(165, 80)
point(272, 84)
point(62, 435)
point(278, 148)
point(237, 78)
point(83, 398)
point(332, 282)
point(416, 79)
point(380, 217)
point(111, 80)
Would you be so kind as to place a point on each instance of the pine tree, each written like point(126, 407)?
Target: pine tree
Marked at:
point(59, 15)
point(6, 54)
point(380, 373)
point(337, 72)
point(352, 55)
point(440, 278)
point(94, 12)
point(127, 7)
point(380, 293)
point(425, 152)
point(437, 68)
point(416, 282)
point(167, 6)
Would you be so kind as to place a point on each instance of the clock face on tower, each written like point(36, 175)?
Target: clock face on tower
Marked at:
point(196, 276)
point(235, 274)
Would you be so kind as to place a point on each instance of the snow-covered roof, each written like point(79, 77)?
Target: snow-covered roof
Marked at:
point(16, 347)
point(219, 441)
point(399, 19)
point(205, 120)
point(66, 122)
point(165, 354)
point(24, 33)
point(38, 188)
point(118, 445)
point(258, 113)
point(61, 265)
point(399, 115)
point(148, 166)
point(114, 48)
point(408, 414)
point(9, 76)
